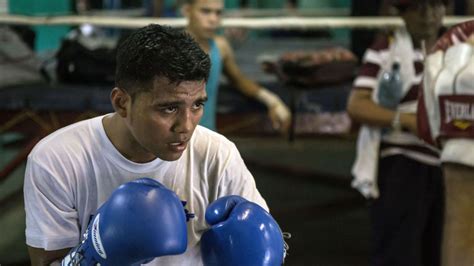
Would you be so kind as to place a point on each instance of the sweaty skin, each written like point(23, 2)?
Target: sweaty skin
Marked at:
point(158, 123)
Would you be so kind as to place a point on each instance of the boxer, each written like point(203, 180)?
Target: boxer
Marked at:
point(158, 101)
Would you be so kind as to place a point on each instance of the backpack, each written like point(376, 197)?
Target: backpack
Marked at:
point(85, 59)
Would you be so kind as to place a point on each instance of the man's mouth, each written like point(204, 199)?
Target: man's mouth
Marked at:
point(178, 146)
point(210, 30)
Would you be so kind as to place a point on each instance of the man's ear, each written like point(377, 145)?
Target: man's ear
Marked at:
point(121, 101)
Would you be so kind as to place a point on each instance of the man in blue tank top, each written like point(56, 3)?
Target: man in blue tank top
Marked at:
point(204, 18)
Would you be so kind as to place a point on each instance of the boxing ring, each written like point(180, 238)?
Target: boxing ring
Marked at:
point(36, 111)
point(245, 23)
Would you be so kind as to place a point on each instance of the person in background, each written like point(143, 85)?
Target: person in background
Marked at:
point(204, 17)
point(445, 120)
point(397, 171)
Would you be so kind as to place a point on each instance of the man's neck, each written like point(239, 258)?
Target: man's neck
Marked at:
point(427, 43)
point(116, 131)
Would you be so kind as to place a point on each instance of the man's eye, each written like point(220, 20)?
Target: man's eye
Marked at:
point(198, 105)
point(169, 110)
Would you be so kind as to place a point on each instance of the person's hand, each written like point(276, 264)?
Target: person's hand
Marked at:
point(408, 121)
point(278, 112)
point(280, 116)
point(141, 220)
point(241, 233)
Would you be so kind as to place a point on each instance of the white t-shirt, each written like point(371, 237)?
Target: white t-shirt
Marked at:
point(71, 172)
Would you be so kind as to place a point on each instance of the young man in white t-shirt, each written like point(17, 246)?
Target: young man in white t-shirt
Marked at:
point(158, 102)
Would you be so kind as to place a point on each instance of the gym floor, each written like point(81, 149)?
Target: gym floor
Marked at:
point(306, 184)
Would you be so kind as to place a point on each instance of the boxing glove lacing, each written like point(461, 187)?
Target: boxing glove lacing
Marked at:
point(286, 247)
point(76, 257)
point(189, 215)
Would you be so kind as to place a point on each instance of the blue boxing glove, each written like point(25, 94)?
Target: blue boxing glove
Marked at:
point(141, 220)
point(241, 233)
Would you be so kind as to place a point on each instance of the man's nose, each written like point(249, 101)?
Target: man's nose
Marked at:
point(214, 18)
point(184, 122)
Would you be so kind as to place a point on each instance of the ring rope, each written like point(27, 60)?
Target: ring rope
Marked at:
point(248, 23)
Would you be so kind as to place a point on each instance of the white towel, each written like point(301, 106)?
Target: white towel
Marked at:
point(365, 167)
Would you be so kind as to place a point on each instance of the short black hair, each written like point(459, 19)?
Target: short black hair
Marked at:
point(158, 51)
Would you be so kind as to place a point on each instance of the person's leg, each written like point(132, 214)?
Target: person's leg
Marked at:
point(432, 234)
point(398, 215)
point(458, 237)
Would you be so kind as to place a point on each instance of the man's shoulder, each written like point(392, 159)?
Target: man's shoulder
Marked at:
point(204, 134)
point(220, 40)
point(382, 41)
point(204, 138)
point(63, 139)
point(223, 45)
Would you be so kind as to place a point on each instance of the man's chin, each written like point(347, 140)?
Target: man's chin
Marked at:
point(209, 34)
point(170, 156)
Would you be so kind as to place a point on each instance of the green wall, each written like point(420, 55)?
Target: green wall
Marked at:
point(47, 37)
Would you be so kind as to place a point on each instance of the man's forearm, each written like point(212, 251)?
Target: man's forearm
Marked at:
point(40, 257)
